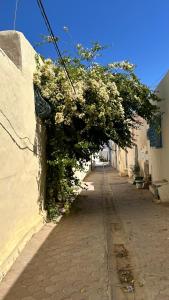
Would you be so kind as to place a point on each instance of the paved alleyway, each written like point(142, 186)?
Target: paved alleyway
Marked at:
point(113, 246)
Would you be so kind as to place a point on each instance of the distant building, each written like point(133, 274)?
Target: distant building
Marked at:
point(151, 149)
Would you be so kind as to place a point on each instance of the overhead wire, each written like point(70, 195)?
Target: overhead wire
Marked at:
point(15, 14)
point(51, 33)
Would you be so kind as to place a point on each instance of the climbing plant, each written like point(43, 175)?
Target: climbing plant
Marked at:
point(105, 106)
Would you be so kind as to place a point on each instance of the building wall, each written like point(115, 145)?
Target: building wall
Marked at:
point(160, 157)
point(142, 143)
point(22, 174)
point(131, 158)
point(113, 155)
point(157, 158)
point(153, 160)
point(105, 153)
point(122, 162)
point(125, 160)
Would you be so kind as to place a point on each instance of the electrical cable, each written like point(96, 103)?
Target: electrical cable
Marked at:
point(49, 28)
point(15, 14)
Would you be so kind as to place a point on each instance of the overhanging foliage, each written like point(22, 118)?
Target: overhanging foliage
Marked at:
point(105, 107)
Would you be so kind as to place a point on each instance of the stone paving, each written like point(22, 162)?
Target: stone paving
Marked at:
point(76, 260)
point(72, 261)
point(146, 227)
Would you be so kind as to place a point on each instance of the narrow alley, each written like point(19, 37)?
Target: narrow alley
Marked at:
point(113, 245)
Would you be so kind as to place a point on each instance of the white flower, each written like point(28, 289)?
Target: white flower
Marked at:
point(113, 88)
point(136, 98)
point(59, 118)
point(125, 65)
point(103, 93)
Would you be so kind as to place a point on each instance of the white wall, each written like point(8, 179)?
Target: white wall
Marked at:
point(125, 160)
point(21, 148)
point(156, 160)
point(160, 157)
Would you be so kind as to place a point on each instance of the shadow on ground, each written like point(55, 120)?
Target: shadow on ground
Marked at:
point(75, 259)
point(71, 262)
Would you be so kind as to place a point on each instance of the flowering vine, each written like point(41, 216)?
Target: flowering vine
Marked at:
point(104, 106)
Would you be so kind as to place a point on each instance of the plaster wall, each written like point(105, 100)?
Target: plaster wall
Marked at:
point(130, 160)
point(113, 154)
point(21, 149)
point(142, 145)
point(160, 157)
point(154, 161)
point(138, 153)
point(119, 159)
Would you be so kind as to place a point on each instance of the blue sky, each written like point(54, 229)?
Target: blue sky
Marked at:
point(136, 30)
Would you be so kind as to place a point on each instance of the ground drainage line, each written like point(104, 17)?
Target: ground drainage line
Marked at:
point(126, 295)
point(108, 244)
point(106, 238)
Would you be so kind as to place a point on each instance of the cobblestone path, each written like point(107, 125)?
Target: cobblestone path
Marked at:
point(113, 229)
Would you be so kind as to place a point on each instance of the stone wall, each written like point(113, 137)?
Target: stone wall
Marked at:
point(22, 172)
